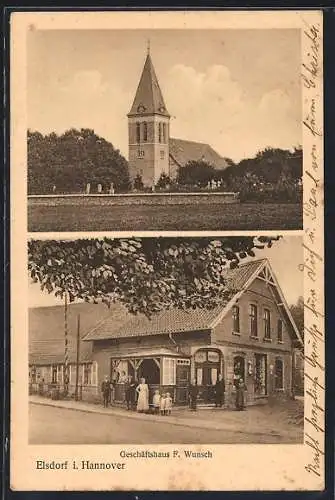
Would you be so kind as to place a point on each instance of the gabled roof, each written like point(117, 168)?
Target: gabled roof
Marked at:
point(184, 151)
point(46, 332)
point(148, 98)
point(174, 320)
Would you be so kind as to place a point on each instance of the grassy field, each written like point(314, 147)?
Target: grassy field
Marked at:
point(89, 215)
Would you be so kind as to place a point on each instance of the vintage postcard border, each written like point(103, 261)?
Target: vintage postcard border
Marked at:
point(288, 467)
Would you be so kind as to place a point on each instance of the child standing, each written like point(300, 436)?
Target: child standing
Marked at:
point(168, 404)
point(162, 404)
point(156, 402)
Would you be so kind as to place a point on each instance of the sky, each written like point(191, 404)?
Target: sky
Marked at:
point(285, 257)
point(238, 90)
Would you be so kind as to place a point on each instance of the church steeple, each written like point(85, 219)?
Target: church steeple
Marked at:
point(148, 99)
point(148, 129)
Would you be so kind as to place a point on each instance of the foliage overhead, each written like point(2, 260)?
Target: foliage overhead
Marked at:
point(145, 274)
point(68, 162)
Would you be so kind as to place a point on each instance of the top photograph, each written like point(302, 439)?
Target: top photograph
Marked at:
point(164, 129)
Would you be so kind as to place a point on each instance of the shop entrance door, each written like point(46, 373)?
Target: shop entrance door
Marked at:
point(182, 382)
point(208, 368)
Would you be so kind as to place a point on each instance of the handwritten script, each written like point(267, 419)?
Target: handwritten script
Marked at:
point(313, 255)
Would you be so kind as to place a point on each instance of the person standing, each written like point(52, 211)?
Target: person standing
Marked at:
point(168, 404)
point(240, 388)
point(162, 404)
point(105, 389)
point(130, 393)
point(156, 401)
point(219, 392)
point(143, 396)
point(193, 395)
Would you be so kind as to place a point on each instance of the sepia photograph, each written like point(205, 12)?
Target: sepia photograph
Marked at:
point(167, 251)
point(164, 129)
point(203, 337)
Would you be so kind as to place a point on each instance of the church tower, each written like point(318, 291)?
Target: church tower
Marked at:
point(148, 129)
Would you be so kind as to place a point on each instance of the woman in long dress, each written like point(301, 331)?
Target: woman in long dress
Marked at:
point(143, 396)
point(240, 388)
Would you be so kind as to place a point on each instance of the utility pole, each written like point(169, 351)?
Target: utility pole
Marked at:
point(77, 358)
point(66, 347)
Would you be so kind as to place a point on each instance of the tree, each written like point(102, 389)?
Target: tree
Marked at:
point(164, 181)
point(145, 274)
point(138, 183)
point(71, 160)
point(196, 172)
point(297, 311)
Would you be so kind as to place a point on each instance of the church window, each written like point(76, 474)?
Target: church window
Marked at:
point(164, 133)
point(162, 155)
point(138, 132)
point(140, 153)
point(159, 132)
point(145, 131)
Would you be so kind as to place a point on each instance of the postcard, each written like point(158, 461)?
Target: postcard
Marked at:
point(167, 262)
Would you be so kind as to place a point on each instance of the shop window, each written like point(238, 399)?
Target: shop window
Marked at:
point(267, 324)
point(87, 374)
point(260, 375)
point(279, 371)
point(200, 356)
point(169, 371)
point(236, 319)
point(54, 375)
point(145, 131)
point(239, 368)
point(253, 320)
point(122, 372)
point(138, 132)
point(33, 375)
point(280, 330)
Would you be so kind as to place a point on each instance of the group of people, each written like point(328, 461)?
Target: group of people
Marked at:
point(219, 391)
point(137, 395)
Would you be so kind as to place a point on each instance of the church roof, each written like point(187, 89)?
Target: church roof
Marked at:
point(184, 151)
point(148, 99)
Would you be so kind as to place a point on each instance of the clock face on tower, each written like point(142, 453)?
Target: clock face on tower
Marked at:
point(141, 108)
point(162, 109)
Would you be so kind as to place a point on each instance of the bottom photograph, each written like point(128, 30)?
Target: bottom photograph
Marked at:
point(202, 337)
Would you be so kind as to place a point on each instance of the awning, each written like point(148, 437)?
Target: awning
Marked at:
point(148, 353)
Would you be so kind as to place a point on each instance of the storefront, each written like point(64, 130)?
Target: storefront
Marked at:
point(162, 369)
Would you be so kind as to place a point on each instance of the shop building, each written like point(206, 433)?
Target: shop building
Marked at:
point(252, 336)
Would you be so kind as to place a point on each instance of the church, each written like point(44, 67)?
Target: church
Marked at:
point(151, 149)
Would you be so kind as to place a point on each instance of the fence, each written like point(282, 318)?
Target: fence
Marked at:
point(87, 393)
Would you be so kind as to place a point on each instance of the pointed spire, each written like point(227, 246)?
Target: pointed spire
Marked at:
point(148, 99)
